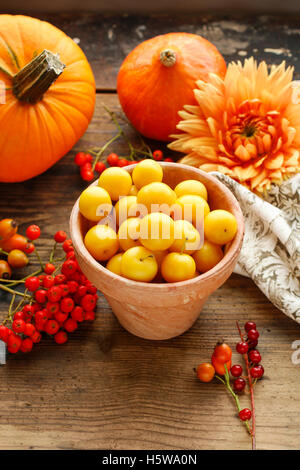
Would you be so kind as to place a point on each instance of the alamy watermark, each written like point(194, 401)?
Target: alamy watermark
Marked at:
point(154, 231)
point(296, 354)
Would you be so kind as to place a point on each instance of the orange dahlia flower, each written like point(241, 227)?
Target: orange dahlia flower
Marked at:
point(246, 125)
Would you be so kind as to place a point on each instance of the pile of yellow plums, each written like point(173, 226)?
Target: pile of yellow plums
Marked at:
point(146, 231)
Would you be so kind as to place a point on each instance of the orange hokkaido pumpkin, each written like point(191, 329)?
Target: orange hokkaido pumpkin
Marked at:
point(158, 77)
point(46, 106)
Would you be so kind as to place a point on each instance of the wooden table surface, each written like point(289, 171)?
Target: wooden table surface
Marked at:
point(107, 389)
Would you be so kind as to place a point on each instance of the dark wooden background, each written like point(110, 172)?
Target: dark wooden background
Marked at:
point(105, 388)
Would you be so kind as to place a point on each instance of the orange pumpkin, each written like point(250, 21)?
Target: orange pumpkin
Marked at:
point(157, 79)
point(46, 106)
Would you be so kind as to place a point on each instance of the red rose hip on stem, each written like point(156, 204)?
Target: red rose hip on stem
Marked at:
point(222, 352)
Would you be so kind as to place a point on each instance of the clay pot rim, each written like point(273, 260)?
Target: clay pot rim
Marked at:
point(232, 252)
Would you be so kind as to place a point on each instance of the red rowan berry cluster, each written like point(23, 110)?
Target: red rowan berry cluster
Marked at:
point(55, 300)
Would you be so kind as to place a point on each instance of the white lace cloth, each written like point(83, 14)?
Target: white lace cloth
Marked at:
point(270, 253)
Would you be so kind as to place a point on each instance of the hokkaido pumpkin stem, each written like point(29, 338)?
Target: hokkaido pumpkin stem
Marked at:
point(33, 80)
point(168, 57)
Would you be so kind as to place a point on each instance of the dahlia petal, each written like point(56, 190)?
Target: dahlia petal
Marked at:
point(188, 116)
point(290, 136)
point(179, 144)
point(274, 162)
point(260, 161)
point(275, 175)
point(293, 160)
point(251, 149)
point(257, 180)
point(193, 159)
point(227, 161)
point(267, 142)
point(272, 130)
point(206, 152)
point(242, 153)
point(213, 126)
point(260, 146)
point(216, 167)
point(245, 173)
point(278, 145)
point(194, 127)
point(237, 143)
point(209, 107)
point(190, 108)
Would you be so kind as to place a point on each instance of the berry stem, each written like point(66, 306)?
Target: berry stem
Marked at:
point(52, 252)
point(39, 259)
point(14, 282)
point(245, 356)
point(226, 382)
point(11, 307)
point(105, 146)
point(11, 291)
point(133, 150)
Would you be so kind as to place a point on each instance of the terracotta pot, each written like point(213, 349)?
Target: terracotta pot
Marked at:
point(161, 311)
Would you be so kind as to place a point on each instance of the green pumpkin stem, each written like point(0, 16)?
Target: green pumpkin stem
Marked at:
point(33, 80)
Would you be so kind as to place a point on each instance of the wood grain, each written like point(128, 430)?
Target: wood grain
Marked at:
point(107, 39)
point(107, 389)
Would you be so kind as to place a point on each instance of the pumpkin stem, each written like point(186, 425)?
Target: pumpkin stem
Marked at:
point(168, 57)
point(33, 80)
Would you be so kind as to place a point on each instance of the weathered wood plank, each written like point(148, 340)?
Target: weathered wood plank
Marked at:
point(108, 389)
point(107, 39)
